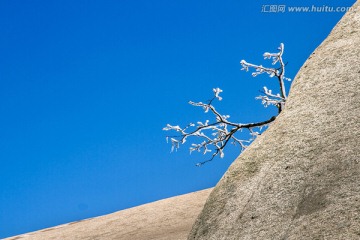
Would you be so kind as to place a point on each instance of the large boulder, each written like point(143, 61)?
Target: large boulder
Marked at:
point(166, 219)
point(301, 178)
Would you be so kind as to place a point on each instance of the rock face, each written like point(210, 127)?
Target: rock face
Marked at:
point(301, 178)
point(162, 220)
point(298, 180)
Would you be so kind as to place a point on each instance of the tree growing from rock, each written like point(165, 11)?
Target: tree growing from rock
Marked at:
point(213, 137)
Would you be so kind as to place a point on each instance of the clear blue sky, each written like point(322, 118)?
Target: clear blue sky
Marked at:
point(87, 86)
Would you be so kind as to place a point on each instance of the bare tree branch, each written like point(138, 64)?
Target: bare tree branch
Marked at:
point(216, 135)
point(279, 73)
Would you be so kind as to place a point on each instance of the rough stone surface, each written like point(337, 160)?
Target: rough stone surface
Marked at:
point(298, 180)
point(162, 220)
point(301, 178)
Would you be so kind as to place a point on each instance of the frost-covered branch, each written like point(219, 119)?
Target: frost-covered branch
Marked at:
point(269, 98)
point(214, 136)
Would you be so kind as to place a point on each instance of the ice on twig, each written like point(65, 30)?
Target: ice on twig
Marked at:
point(215, 135)
point(217, 91)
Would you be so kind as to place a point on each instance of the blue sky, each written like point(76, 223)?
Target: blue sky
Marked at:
point(87, 86)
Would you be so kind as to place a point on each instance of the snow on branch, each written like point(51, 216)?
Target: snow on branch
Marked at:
point(269, 98)
point(214, 136)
